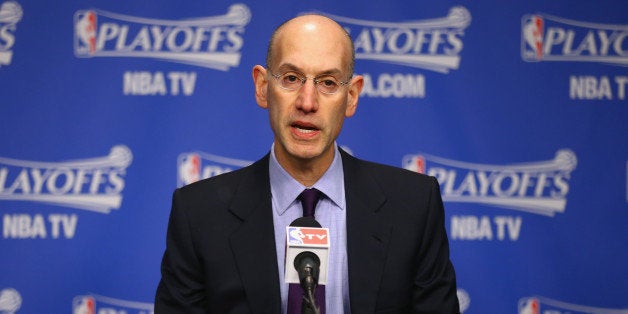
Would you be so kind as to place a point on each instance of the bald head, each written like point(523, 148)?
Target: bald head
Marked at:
point(313, 27)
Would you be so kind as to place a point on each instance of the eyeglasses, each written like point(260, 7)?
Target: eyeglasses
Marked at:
point(326, 84)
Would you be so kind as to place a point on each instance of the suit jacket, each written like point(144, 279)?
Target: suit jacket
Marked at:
point(220, 248)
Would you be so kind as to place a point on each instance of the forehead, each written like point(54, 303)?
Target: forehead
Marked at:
point(312, 46)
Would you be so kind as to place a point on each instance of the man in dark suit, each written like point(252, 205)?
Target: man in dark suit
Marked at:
point(226, 235)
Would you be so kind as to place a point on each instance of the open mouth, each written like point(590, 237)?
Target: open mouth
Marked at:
point(304, 128)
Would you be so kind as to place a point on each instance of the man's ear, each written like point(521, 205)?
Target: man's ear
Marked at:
point(261, 85)
point(357, 82)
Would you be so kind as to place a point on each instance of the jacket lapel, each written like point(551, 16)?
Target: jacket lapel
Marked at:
point(253, 244)
point(367, 235)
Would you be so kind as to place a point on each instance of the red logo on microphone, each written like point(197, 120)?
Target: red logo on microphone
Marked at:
point(308, 236)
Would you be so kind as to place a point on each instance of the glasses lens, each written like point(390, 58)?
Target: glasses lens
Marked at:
point(327, 84)
point(291, 81)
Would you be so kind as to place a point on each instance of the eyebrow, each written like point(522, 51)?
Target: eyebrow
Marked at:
point(291, 67)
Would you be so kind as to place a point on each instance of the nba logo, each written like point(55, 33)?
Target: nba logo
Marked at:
point(84, 305)
point(415, 163)
point(189, 169)
point(85, 33)
point(295, 236)
point(529, 306)
point(308, 236)
point(533, 36)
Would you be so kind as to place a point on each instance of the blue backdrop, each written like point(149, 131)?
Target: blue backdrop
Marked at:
point(518, 108)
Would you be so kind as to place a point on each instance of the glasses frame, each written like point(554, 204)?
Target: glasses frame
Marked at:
point(303, 79)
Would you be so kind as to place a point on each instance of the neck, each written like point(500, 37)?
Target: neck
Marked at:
point(306, 171)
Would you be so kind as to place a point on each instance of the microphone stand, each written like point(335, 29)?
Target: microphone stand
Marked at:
point(308, 305)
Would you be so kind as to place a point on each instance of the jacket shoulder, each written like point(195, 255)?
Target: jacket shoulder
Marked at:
point(226, 184)
point(386, 174)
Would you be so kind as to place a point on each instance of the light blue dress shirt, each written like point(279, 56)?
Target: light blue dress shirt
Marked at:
point(330, 213)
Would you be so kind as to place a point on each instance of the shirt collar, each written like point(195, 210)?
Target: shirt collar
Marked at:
point(285, 189)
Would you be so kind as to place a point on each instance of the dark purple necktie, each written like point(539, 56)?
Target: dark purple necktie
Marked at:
point(308, 198)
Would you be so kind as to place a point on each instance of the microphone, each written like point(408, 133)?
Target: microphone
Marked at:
point(305, 222)
point(307, 245)
point(308, 266)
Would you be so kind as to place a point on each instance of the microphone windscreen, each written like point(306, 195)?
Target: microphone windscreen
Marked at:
point(309, 222)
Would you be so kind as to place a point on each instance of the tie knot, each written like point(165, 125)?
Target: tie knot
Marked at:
point(309, 198)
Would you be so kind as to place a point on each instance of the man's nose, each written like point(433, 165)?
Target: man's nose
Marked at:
point(308, 97)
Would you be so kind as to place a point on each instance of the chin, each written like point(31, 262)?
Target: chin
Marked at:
point(305, 153)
